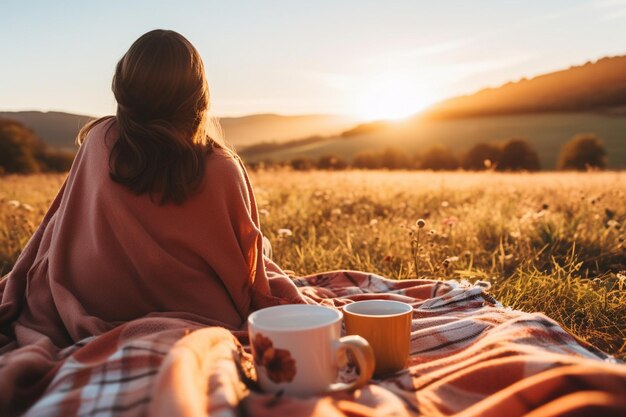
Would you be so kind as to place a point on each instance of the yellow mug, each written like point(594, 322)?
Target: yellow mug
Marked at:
point(386, 325)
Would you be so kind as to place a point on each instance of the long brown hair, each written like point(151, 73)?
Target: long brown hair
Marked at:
point(162, 103)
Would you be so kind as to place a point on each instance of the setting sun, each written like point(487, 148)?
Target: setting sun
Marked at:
point(393, 96)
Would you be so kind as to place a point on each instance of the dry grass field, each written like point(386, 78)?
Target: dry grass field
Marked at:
point(550, 242)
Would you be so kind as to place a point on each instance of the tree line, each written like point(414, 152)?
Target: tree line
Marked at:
point(583, 152)
point(22, 152)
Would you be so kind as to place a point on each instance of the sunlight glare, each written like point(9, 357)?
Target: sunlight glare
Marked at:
point(393, 96)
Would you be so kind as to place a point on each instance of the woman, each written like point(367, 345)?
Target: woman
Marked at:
point(155, 218)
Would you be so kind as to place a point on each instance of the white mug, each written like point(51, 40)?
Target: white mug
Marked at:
point(297, 350)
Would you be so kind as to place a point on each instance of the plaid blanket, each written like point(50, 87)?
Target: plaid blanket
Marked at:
point(470, 356)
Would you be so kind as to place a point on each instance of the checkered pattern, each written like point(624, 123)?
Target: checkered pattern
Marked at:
point(470, 356)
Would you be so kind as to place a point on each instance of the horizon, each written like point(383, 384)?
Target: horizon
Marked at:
point(418, 54)
point(346, 115)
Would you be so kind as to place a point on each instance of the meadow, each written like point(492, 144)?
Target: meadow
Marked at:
point(549, 242)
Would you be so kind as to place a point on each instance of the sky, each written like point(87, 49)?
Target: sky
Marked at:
point(368, 59)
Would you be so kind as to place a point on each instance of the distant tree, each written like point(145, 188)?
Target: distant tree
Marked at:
point(19, 148)
point(366, 160)
point(582, 152)
point(393, 158)
point(267, 163)
point(22, 152)
point(390, 158)
point(331, 162)
point(439, 158)
point(518, 155)
point(302, 164)
point(482, 156)
point(56, 161)
point(251, 165)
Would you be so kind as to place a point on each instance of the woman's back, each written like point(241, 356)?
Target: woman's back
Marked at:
point(109, 255)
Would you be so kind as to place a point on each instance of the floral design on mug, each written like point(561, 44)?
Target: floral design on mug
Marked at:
point(278, 363)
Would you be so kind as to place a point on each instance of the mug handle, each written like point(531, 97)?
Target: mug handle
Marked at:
point(364, 356)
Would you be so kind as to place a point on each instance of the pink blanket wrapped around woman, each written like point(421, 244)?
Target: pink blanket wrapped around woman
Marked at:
point(104, 255)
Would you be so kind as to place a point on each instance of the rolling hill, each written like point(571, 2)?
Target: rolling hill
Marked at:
point(248, 130)
point(56, 129)
point(546, 133)
point(547, 110)
point(59, 129)
point(594, 86)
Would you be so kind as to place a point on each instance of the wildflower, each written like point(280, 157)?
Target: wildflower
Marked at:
point(432, 232)
point(515, 235)
point(373, 222)
point(13, 203)
point(335, 212)
point(449, 260)
point(285, 233)
point(445, 204)
point(450, 221)
point(612, 224)
point(264, 212)
point(27, 207)
point(415, 245)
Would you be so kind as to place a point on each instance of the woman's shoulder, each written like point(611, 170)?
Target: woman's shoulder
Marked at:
point(98, 132)
point(224, 160)
point(224, 171)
